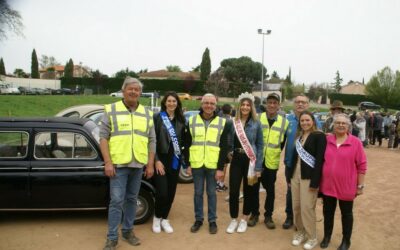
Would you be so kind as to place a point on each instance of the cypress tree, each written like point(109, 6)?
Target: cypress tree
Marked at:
point(69, 69)
point(2, 68)
point(34, 66)
point(205, 66)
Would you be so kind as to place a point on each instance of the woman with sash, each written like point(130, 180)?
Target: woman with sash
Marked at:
point(304, 176)
point(169, 126)
point(342, 178)
point(247, 146)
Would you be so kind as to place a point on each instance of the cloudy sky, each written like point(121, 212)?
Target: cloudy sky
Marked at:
point(313, 37)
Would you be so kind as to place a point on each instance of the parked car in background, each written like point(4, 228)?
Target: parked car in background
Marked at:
point(184, 96)
point(6, 89)
point(117, 94)
point(368, 105)
point(56, 164)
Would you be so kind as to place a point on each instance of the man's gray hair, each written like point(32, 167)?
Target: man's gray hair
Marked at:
point(131, 80)
point(208, 95)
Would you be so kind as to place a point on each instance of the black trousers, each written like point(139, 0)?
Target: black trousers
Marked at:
point(346, 208)
point(165, 190)
point(377, 136)
point(268, 179)
point(238, 172)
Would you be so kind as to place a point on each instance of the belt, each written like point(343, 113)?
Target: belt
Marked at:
point(239, 150)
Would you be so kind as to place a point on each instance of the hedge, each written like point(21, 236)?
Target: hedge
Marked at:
point(347, 99)
point(109, 85)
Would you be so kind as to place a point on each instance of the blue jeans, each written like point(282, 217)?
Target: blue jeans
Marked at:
point(124, 190)
point(199, 176)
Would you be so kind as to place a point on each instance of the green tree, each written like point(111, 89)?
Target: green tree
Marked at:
point(338, 81)
point(288, 79)
point(20, 73)
point(10, 20)
point(173, 68)
point(69, 69)
point(242, 69)
point(384, 87)
point(34, 66)
point(2, 67)
point(205, 66)
point(125, 72)
point(196, 69)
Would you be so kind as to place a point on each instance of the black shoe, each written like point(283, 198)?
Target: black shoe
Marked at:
point(213, 227)
point(288, 223)
point(269, 223)
point(111, 245)
point(325, 242)
point(345, 245)
point(131, 238)
point(196, 226)
point(252, 220)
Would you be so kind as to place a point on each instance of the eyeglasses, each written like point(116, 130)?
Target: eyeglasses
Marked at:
point(301, 102)
point(209, 103)
point(341, 123)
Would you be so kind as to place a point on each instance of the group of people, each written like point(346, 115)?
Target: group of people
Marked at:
point(370, 127)
point(133, 141)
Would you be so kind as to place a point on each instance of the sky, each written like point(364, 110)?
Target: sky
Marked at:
point(315, 38)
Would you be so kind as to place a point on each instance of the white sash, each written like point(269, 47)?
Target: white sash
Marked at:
point(304, 155)
point(244, 141)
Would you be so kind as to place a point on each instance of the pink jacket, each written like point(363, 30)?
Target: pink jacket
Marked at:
point(341, 168)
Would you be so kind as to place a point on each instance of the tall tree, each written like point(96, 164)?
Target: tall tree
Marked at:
point(2, 67)
point(205, 66)
point(69, 69)
point(338, 82)
point(288, 79)
point(34, 66)
point(10, 20)
point(384, 87)
point(242, 69)
point(173, 68)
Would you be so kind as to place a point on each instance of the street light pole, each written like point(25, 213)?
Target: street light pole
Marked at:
point(267, 32)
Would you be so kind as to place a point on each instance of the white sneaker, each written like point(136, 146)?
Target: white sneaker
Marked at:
point(242, 226)
point(299, 237)
point(156, 225)
point(310, 244)
point(166, 226)
point(232, 226)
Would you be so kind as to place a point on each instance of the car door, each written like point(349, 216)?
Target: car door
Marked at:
point(67, 171)
point(14, 168)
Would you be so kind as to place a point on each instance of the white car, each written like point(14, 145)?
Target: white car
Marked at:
point(6, 88)
point(117, 94)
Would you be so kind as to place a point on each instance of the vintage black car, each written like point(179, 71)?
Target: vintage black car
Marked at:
point(56, 164)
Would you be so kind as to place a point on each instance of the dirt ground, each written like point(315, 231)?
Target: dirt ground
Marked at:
point(376, 222)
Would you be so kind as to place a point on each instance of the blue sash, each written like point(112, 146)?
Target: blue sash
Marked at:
point(304, 155)
point(174, 139)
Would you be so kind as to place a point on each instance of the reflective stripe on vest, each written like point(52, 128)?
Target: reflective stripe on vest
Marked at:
point(205, 142)
point(129, 133)
point(273, 137)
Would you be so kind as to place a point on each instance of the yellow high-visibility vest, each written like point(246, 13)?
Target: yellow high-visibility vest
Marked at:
point(204, 150)
point(129, 133)
point(273, 137)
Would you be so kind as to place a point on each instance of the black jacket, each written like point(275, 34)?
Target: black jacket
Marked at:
point(162, 136)
point(315, 145)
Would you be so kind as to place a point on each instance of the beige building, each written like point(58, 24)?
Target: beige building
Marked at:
point(353, 88)
point(58, 72)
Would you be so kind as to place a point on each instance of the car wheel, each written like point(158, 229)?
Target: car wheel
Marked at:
point(144, 207)
point(184, 177)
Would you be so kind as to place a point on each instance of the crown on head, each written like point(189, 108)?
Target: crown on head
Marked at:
point(246, 95)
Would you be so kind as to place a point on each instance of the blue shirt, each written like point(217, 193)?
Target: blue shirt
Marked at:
point(291, 137)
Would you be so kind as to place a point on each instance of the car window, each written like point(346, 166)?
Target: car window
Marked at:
point(96, 117)
point(72, 114)
point(63, 145)
point(13, 144)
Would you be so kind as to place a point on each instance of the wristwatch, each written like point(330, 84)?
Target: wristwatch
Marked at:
point(361, 186)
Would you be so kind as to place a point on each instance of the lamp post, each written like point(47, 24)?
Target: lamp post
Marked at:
point(263, 33)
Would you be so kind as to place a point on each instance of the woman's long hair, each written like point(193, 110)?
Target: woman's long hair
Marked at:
point(178, 111)
point(314, 126)
point(253, 113)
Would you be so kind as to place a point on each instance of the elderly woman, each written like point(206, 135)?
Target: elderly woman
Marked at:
point(247, 158)
point(305, 175)
point(342, 178)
